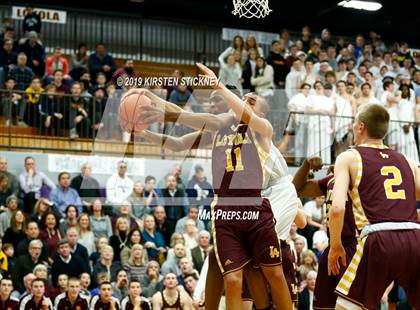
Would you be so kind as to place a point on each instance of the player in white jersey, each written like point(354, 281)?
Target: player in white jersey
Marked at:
point(281, 193)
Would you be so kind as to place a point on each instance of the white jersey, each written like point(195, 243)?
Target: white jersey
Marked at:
point(280, 191)
point(274, 167)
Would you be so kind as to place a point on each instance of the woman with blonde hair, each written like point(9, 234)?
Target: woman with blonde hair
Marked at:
point(308, 262)
point(42, 206)
point(191, 234)
point(134, 237)
point(136, 266)
point(86, 236)
point(120, 239)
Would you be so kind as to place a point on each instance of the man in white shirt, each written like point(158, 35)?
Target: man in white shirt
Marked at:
point(376, 66)
point(293, 77)
point(119, 186)
point(298, 122)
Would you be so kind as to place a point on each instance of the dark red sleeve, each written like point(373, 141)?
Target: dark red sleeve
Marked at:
point(323, 183)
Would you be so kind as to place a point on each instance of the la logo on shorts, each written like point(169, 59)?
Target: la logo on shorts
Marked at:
point(274, 252)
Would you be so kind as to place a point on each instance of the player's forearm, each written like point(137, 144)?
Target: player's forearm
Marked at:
point(167, 142)
point(201, 121)
point(244, 113)
point(301, 176)
point(336, 223)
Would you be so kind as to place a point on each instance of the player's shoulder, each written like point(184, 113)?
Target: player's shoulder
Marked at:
point(157, 296)
point(347, 155)
point(14, 299)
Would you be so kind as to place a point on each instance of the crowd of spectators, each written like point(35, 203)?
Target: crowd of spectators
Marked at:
point(323, 82)
point(321, 79)
point(129, 232)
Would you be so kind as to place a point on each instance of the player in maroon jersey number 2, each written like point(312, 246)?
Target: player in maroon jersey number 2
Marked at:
point(383, 186)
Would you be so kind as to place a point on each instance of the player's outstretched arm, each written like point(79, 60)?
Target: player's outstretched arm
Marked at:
point(338, 208)
point(165, 111)
point(242, 111)
point(189, 141)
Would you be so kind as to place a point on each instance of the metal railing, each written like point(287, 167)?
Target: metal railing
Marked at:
point(91, 125)
point(328, 136)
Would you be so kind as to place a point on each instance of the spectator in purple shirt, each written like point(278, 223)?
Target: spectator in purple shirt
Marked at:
point(63, 195)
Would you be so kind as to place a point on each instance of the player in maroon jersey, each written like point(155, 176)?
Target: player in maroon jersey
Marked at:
point(214, 283)
point(324, 296)
point(7, 302)
point(237, 180)
point(382, 185)
point(71, 299)
point(133, 301)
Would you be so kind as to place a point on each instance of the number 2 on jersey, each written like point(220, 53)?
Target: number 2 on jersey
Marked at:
point(394, 181)
point(229, 163)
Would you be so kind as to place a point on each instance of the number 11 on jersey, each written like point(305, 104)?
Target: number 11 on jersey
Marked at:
point(229, 162)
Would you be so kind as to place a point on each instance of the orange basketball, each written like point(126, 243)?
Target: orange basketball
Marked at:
point(129, 113)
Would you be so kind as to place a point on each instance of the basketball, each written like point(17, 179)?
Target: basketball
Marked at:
point(129, 113)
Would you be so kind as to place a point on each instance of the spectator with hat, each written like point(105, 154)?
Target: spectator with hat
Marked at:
point(35, 52)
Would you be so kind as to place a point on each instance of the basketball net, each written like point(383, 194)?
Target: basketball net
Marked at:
point(251, 8)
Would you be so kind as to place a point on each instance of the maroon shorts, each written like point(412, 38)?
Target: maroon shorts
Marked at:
point(237, 240)
point(324, 296)
point(381, 258)
point(289, 269)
